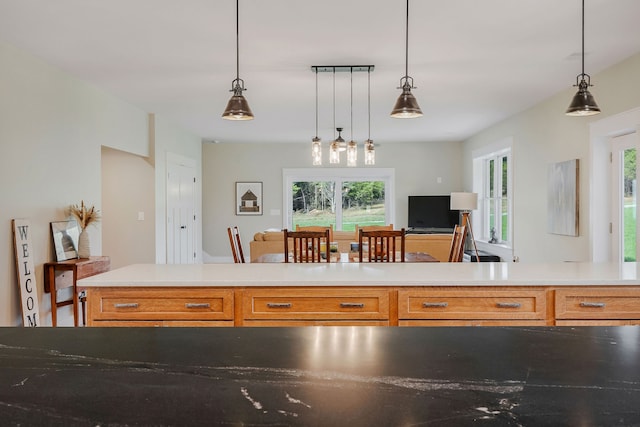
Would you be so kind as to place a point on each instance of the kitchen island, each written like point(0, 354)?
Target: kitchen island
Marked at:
point(400, 294)
point(320, 376)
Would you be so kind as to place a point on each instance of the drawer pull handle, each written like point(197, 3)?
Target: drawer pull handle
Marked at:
point(592, 304)
point(279, 304)
point(197, 305)
point(435, 304)
point(126, 305)
point(509, 305)
point(351, 305)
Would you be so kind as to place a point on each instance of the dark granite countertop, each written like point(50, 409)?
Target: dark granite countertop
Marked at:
point(320, 376)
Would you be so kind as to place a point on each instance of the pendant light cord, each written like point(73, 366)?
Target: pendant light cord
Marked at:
point(369, 102)
point(334, 103)
point(351, 103)
point(583, 38)
point(316, 102)
point(237, 41)
point(406, 44)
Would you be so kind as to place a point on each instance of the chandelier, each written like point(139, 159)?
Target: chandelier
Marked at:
point(338, 144)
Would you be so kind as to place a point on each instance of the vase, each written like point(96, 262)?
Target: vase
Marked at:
point(84, 245)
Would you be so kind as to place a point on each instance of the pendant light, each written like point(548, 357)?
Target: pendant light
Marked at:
point(406, 106)
point(369, 150)
point(352, 147)
point(583, 103)
point(334, 149)
point(316, 148)
point(237, 107)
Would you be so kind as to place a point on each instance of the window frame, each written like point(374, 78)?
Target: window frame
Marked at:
point(481, 185)
point(338, 175)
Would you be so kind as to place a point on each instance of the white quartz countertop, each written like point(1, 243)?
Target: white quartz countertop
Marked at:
point(369, 274)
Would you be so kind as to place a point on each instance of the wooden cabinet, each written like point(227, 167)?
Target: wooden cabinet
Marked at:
point(360, 306)
point(160, 306)
point(463, 306)
point(607, 306)
point(315, 306)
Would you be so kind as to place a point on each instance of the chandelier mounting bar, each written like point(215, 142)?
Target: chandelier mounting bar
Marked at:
point(341, 68)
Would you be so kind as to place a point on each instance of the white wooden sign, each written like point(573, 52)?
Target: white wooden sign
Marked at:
point(26, 272)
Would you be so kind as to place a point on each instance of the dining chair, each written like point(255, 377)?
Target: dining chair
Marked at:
point(381, 245)
point(317, 228)
point(373, 228)
point(308, 246)
point(236, 245)
point(457, 243)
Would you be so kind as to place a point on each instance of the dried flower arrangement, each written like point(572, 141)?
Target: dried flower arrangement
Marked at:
point(85, 216)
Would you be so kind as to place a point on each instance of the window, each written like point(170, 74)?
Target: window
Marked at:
point(492, 173)
point(341, 197)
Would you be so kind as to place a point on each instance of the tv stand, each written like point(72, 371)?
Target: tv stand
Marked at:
point(418, 230)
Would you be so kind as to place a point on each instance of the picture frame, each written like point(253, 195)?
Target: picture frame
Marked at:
point(65, 236)
point(563, 198)
point(248, 198)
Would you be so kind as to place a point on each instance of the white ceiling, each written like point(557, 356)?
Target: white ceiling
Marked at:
point(473, 62)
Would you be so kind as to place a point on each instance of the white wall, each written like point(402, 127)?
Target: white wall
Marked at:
point(128, 183)
point(543, 135)
point(52, 130)
point(417, 167)
point(52, 127)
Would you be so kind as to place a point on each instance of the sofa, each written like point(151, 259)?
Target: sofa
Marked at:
point(436, 245)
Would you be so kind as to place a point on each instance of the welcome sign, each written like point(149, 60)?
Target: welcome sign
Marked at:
point(26, 272)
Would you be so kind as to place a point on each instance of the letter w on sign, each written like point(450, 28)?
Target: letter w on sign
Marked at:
point(26, 272)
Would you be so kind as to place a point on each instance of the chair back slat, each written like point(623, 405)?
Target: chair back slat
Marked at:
point(382, 245)
point(236, 244)
point(457, 243)
point(307, 245)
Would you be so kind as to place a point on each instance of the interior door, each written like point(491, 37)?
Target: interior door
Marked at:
point(624, 209)
point(181, 208)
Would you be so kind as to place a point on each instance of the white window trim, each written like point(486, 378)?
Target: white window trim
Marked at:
point(387, 175)
point(504, 250)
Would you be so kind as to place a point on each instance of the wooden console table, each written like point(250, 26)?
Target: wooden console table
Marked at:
point(79, 268)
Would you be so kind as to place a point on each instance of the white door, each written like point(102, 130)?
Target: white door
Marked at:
point(624, 209)
point(181, 209)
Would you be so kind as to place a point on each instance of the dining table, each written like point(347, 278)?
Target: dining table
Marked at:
point(347, 257)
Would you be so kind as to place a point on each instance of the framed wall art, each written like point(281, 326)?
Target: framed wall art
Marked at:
point(563, 198)
point(65, 239)
point(248, 198)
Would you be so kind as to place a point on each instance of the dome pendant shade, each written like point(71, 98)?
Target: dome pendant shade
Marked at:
point(583, 103)
point(237, 107)
point(406, 106)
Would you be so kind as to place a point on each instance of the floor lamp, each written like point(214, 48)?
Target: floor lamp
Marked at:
point(465, 203)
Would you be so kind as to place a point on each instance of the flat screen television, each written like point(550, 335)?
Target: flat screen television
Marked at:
point(431, 214)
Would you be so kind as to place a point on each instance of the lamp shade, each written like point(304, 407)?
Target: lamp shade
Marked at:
point(583, 103)
point(237, 108)
point(464, 201)
point(406, 106)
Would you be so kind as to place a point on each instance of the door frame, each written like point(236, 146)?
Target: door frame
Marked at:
point(600, 133)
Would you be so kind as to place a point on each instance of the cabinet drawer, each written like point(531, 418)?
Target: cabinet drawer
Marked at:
point(160, 304)
point(598, 303)
point(303, 304)
point(472, 303)
point(162, 323)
